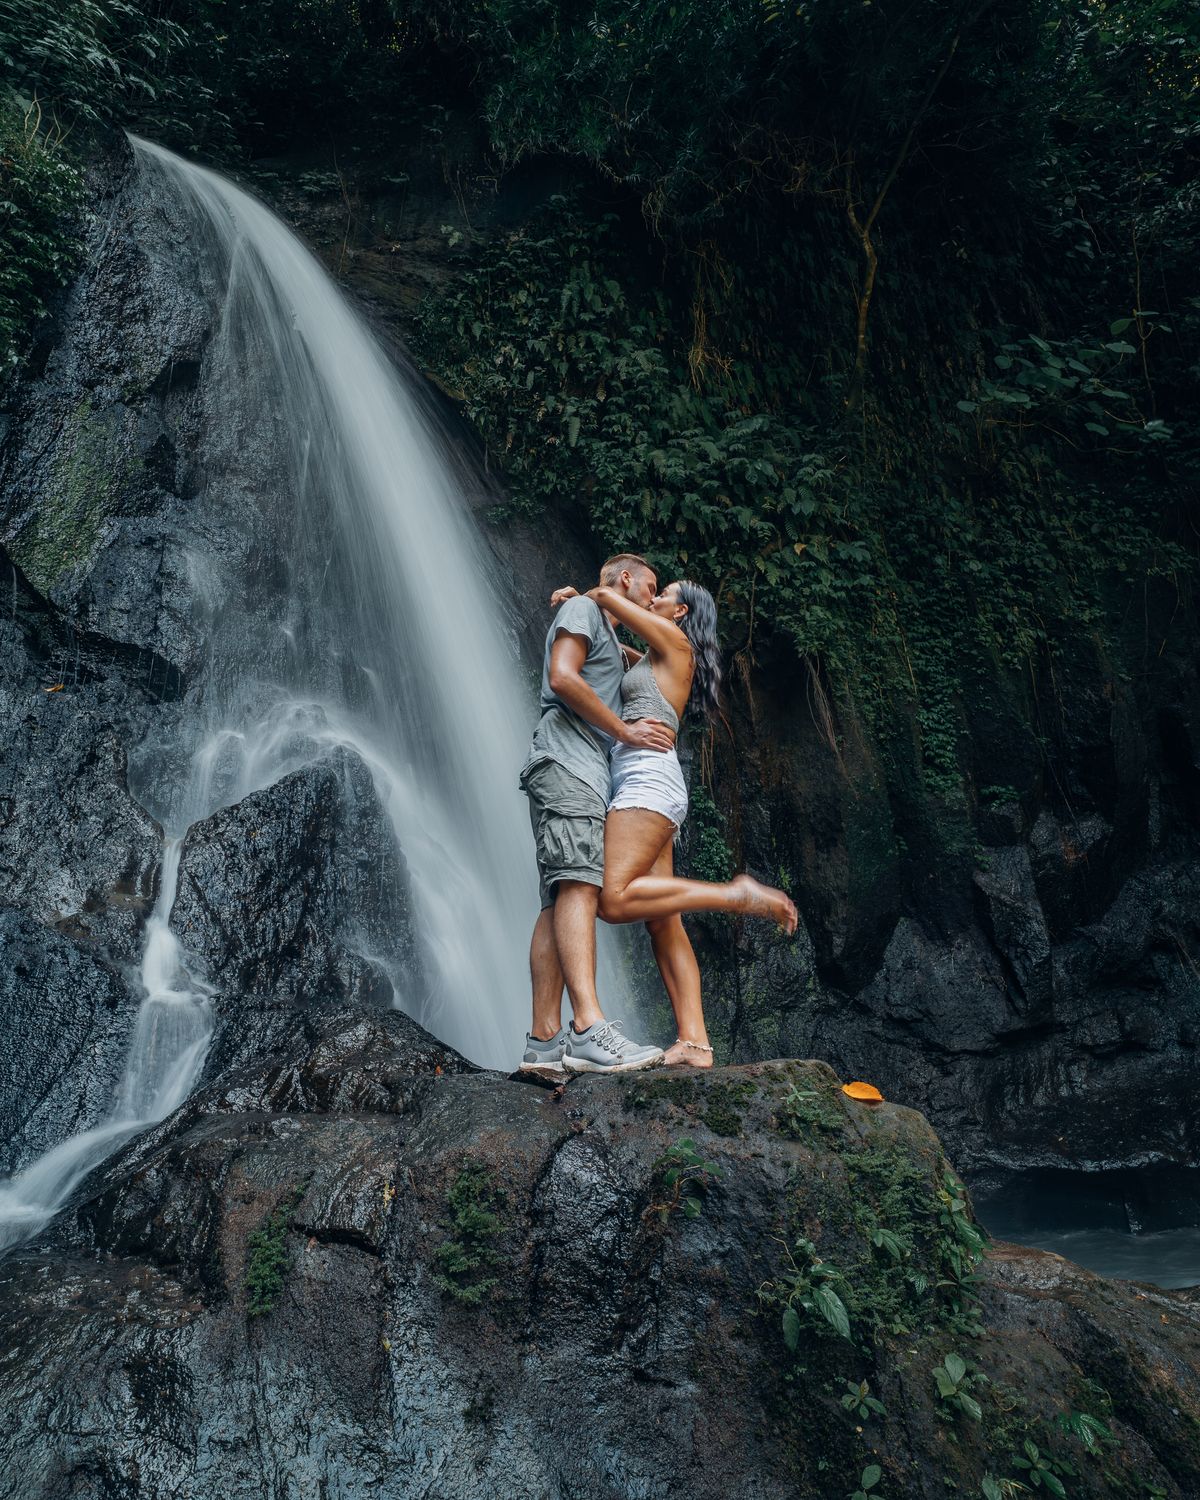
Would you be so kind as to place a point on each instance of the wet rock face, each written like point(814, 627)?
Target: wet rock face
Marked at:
point(1030, 982)
point(474, 1267)
point(76, 851)
point(280, 893)
point(94, 470)
point(296, 894)
point(65, 1019)
point(78, 868)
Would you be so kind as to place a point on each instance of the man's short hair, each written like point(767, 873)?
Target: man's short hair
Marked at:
point(612, 569)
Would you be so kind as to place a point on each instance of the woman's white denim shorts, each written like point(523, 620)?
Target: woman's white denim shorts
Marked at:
point(648, 779)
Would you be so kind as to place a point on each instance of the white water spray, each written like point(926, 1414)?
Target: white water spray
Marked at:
point(166, 1054)
point(360, 614)
point(367, 620)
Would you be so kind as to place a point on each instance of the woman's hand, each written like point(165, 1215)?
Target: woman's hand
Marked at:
point(560, 596)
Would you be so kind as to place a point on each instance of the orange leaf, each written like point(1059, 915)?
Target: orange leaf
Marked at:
point(865, 1091)
point(57, 688)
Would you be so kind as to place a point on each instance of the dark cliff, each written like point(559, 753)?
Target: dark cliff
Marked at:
point(362, 1266)
point(475, 1286)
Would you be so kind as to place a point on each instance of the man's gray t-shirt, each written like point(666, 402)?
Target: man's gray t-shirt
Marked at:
point(561, 735)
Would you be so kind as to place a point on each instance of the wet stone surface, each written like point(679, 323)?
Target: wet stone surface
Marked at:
point(387, 1366)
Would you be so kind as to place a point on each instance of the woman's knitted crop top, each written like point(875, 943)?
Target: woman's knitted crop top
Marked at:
point(641, 697)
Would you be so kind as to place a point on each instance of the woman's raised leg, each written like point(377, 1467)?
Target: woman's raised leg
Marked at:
point(633, 838)
point(681, 974)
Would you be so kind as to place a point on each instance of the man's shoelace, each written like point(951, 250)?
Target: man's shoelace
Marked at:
point(609, 1037)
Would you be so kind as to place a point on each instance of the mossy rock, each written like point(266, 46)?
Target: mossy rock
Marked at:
point(93, 471)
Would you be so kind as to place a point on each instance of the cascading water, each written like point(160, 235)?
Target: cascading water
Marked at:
point(359, 614)
point(166, 1054)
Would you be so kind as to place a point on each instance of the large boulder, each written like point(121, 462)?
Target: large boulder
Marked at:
point(296, 894)
point(426, 1279)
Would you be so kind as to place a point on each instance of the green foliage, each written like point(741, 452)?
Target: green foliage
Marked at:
point(1066, 384)
point(806, 1293)
point(723, 1104)
point(40, 190)
point(685, 1177)
point(954, 1380)
point(268, 1262)
point(466, 1259)
point(859, 1401)
point(961, 1245)
point(903, 585)
point(809, 1114)
point(709, 856)
point(1041, 1471)
point(869, 1478)
point(1094, 1434)
point(906, 1253)
point(91, 64)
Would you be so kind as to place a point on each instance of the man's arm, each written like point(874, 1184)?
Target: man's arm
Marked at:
point(567, 657)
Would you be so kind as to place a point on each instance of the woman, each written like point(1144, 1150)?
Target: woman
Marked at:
point(680, 670)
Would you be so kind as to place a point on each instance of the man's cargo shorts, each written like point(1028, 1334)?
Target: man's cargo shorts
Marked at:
point(568, 827)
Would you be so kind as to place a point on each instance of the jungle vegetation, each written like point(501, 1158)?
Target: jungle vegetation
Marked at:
point(878, 316)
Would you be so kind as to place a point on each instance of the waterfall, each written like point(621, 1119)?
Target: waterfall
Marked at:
point(166, 1054)
point(361, 612)
point(365, 615)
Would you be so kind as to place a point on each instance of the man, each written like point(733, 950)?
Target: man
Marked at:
point(566, 779)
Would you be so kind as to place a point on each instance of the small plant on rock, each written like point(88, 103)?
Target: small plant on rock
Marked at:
point(960, 1247)
point(806, 1292)
point(686, 1176)
point(871, 1476)
point(883, 1238)
point(466, 1259)
point(268, 1261)
point(1000, 1489)
point(954, 1381)
point(805, 1113)
point(1041, 1471)
point(1090, 1431)
point(859, 1401)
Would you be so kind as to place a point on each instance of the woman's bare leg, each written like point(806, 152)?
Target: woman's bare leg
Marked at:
point(632, 840)
point(681, 974)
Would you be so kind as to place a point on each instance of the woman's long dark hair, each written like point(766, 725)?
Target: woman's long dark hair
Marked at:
point(700, 627)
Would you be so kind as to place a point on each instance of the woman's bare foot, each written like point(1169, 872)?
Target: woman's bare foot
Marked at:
point(758, 900)
point(688, 1054)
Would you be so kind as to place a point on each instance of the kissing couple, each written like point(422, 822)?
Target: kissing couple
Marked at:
point(607, 798)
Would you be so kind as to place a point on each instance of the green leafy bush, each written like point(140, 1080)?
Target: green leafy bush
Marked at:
point(900, 584)
point(40, 188)
point(954, 1379)
point(807, 1292)
point(467, 1258)
point(268, 1261)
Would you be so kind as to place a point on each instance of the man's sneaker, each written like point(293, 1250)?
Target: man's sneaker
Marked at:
point(604, 1048)
point(545, 1059)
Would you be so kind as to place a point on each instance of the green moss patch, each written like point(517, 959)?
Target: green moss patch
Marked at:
point(72, 510)
point(721, 1106)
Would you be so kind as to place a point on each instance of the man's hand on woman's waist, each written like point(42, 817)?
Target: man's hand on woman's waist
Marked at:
point(648, 734)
